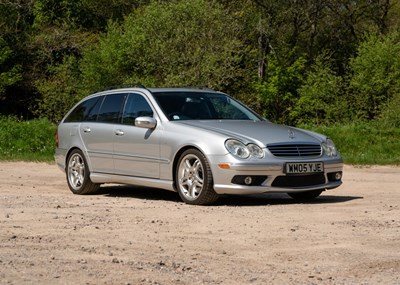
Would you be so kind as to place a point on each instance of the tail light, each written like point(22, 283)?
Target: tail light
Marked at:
point(57, 141)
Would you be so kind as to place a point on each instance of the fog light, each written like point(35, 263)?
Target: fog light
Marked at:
point(335, 176)
point(248, 180)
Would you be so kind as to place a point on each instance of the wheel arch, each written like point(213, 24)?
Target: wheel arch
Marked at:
point(69, 153)
point(178, 156)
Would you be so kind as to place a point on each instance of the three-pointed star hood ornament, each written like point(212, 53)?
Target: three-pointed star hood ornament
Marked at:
point(291, 134)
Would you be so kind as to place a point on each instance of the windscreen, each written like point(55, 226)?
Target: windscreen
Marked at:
point(202, 106)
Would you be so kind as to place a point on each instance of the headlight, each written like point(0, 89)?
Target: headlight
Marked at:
point(255, 150)
point(240, 150)
point(237, 148)
point(329, 148)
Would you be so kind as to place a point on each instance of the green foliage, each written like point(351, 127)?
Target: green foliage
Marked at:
point(59, 90)
point(9, 75)
point(390, 115)
point(26, 140)
point(320, 97)
point(375, 75)
point(364, 143)
point(318, 25)
point(106, 10)
point(83, 14)
point(14, 17)
point(358, 143)
point(58, 12)
point(167, 44)
point(269, 54)
point(278, 94)
point(102, 65)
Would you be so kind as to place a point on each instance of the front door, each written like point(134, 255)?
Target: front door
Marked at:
point(136, 150)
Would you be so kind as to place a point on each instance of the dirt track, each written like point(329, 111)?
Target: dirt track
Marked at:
point(128, 235)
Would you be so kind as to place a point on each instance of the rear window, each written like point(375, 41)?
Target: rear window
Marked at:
point(111, 108)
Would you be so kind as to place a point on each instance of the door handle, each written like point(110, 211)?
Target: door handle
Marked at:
point(86, 130)
point(119, 132)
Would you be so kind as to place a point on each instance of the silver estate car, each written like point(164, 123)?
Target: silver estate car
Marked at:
point(198, 142)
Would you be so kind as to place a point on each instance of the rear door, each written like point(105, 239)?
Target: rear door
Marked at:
point(98, 134)
point(137, 150)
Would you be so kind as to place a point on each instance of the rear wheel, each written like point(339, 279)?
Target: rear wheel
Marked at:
point(78, 175)
point(194, 179)
point(304, 196)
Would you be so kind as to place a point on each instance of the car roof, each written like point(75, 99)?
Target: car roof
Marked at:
point(165, 91)
point(182, 89)
point(118, 89)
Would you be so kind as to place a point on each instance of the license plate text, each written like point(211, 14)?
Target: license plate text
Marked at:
point(298, 168)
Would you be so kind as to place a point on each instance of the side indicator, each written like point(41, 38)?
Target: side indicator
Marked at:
point(224, 166)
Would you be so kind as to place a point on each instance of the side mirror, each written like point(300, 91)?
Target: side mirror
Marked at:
point(146, 122)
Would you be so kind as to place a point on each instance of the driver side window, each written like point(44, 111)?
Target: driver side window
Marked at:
point(136, 106)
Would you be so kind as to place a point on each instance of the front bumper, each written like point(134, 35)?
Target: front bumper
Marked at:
point(273, 178)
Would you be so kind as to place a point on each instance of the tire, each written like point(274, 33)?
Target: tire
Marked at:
point(194, 180)
point(305, 196)
point(78, 174)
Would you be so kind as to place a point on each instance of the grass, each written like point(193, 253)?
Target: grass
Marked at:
point(27, 140)
point(359, 143)
point(364, 143)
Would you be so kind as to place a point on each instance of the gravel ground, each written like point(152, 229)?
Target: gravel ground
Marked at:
point(131, 235)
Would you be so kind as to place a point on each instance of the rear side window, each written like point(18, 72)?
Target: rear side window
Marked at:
point(86, 111)
point(111, 108)
point(136, 106)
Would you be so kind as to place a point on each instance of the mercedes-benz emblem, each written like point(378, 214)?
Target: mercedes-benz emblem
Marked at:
point(291, 134)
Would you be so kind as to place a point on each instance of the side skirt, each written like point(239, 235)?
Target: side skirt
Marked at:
point(139, 181)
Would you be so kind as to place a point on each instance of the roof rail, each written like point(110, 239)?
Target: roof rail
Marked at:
point(197, 87)
point(129, 85)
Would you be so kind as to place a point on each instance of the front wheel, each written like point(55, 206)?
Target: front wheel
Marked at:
point(304, 196)
point(194, 180)
point(78, 175)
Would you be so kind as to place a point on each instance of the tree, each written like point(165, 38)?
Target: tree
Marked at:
point(312, 26)
point(375, 75)
point(278, 93)
point(9, 73)
point(321, 97)
point(168, 44)
point(15, 17)
point(59, 90)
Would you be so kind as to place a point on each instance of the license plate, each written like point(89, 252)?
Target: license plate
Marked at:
point(304, 168)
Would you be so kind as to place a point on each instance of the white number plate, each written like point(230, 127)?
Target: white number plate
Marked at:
point(304, 168)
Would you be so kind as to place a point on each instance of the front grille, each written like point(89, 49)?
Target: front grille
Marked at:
point(295, 150)
point(299, 181)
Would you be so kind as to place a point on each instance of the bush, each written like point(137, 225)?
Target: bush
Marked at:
point(59, 91)
point(364, 143)
point(8, 76)
point(177, 43)
point(375, 77)
point(320, 97)
point(390, 115)
point(278, 94)
point(26, 140)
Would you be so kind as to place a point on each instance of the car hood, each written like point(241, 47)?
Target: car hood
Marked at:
point(262, 132)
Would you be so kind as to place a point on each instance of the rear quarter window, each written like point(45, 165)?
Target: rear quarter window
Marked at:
point(86, 111)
